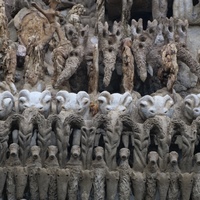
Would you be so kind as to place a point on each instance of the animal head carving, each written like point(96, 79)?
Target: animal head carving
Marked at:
point(192, 106)
point(124, 153)
point(65, 100)
point(173, 157)
point(83, 102)
point(7, 104)
point(72, 34)
point(151, 106)
point(39, 100)
point(79, 103)
point(99, 153)
point(75, 151)
point(152, 158)
point(116, 101)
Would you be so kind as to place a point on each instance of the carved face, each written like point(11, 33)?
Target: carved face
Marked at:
point(124, 153)
point(72, 34)
point(83, 102)
point(65, 101)
point(118, 102)
point(35, 151)
point(173, 157)
point(151, 106)
point(52, 151)
point(192, 106)
point(39, 100)
point(75, 151)
point(99, 153)
point(153, 157)
point(6, 104)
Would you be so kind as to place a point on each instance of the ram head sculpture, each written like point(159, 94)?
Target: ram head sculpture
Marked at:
point(39, 100)
point(7, 104)
point(79, 103)
point(115, 101)
point(149, 106)
point(191, 106)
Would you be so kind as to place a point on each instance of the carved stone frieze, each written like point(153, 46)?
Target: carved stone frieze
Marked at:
point(99, 100)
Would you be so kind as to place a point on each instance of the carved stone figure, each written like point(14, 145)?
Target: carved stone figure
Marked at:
point(159, 9)
point(109, 45)
point(10, 63)
point(124, 174)
point(100, 170)
point(7, 105)
point(63, 177)
point(184, 136)
point(149, 106)
point(138, 184)
point(3, 176)
point(39, 100)
point(174, 171)
point(196, 177)
point(191, 107)
point(128, 65)
point(33, 163)
point(120, 102)
point(151, 175)
point(163, 180)
point(52, 163)
point(186, 10)
point(86, 182)
point(186, 183)
point(170, 65)
point(43, 179)
point(112, 179)
point(75, 166)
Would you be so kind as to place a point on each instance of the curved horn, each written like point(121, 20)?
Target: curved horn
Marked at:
point(24, 93)
point(168, 101)
point(81, 95)
point(62, 93)
point(104, 96)
point(126, 99)
point(141, 102)
point(193, 97)
point(44, 93)
point(7, 94)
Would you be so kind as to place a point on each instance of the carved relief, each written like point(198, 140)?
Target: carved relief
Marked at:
point(90, 143)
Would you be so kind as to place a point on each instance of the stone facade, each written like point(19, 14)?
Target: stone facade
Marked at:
point(99, 100)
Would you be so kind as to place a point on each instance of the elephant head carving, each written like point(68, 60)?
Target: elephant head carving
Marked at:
point(116, 101)
point(191, 106)
point(151, 106)
point(6, 104)
point(39, 100)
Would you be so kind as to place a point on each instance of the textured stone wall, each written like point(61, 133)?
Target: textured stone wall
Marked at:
point(99, 99)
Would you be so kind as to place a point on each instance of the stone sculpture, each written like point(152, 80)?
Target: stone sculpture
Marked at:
point(62, 136)
point(149, 106)
point(195, 190)
point(152, 171)
point(109, 45)
point(100, 171)
point(75, 167)
point(174, 172)
point(7, 105)
point(124, 174)
point(186, 10)
point(39, 100)
point(138, 180)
